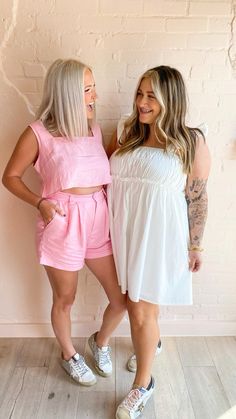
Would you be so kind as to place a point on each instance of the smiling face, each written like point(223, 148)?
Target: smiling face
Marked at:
point(90, 94)
point(147, 105)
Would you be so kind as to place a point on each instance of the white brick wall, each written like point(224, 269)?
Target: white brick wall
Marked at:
point(210, 8)
point(120, 40)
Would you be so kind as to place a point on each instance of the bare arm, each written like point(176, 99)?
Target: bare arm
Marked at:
point(23, 156)
point(197, 202)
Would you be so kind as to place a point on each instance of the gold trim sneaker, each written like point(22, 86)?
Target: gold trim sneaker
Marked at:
point(78, 370)
point(132, 363)
point(133, 404)
point(102, 357)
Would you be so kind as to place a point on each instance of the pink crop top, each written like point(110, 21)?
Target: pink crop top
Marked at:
point(64, 164)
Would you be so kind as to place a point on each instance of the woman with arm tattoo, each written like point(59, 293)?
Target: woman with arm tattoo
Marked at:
point(197, 202)
point(158, 205)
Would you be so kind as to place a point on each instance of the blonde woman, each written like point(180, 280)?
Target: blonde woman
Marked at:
point(65, 146)
point(158, 208)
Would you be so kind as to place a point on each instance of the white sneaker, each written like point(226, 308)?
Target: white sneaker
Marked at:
point(134, 403)
point(102, 357)
point(132, 363)
point(79, 371)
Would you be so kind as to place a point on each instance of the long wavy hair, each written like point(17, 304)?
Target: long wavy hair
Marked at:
point(62, 109)
point(170, 129)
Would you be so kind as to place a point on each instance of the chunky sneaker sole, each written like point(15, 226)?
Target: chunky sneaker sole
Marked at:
point(78, 370)
point(134, 403)
point(102, 358)
point(132, 363)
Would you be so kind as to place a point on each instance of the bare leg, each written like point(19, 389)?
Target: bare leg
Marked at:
point(64, 285)
point(145, 335)
point(104, 269)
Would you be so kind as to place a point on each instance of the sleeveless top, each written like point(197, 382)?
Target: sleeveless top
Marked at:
point(149, 226)
point(63, 164)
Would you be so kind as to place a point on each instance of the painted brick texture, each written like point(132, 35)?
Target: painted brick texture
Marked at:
point(120, 40)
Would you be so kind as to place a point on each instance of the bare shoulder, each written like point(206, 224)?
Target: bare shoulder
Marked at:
point(24, 154)
point(202, 159)
point(28, 136)
point(201, 144)
point(27, 143)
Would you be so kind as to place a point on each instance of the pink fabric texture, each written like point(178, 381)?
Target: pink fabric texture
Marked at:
point(64, 164)
point(82, 234)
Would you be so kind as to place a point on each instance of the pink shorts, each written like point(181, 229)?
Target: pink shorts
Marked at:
point(82, 234)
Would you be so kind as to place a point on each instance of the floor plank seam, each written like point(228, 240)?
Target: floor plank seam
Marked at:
point(186, 384)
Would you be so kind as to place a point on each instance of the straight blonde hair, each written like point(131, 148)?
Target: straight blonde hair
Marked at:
point(62, 109)
point(170, 128)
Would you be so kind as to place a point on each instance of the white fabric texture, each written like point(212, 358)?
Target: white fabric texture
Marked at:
point(149, 226)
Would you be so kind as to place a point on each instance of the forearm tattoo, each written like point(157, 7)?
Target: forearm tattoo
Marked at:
point(196, 197)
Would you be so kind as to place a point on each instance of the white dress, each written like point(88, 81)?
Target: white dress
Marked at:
point(149, 226)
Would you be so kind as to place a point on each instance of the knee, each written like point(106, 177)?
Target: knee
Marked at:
point(120, 306)
point(137, 317)
point(141, 316)
point(64, 302)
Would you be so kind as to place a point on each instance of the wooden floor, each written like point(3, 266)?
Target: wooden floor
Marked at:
point(195, 378)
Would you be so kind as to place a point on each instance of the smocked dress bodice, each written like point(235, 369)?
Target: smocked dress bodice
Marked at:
point(149, 165)
point(149, 225)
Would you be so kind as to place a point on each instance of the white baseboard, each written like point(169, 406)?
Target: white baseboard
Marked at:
point(168, 328)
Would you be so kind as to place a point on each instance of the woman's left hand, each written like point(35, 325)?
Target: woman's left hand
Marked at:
point(195, 260)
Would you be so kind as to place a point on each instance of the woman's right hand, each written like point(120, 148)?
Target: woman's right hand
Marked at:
point(195, 260)
point(48, 210)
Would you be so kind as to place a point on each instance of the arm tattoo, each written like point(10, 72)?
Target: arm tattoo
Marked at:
point(196, 197)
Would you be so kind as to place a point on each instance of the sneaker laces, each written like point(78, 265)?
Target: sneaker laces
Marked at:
point(103, 355)
point(131, 400)
point(80, 367)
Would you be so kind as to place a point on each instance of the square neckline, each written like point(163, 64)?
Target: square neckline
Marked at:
point(64, 138)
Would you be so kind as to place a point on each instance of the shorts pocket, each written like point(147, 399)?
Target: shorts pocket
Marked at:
point(40, 222)
point(47, 226)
